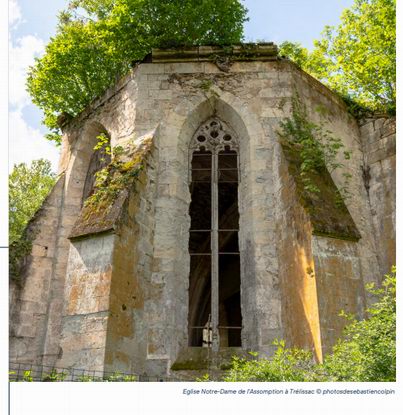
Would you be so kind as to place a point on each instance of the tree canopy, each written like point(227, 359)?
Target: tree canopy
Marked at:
point(97, 40)
point(358, 57)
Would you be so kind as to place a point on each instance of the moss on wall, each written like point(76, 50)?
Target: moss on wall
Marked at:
point(327, 211)
point(102, 208)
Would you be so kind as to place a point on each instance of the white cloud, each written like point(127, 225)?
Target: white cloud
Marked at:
point(22, 55)
point(27, 143)
point(14, 13)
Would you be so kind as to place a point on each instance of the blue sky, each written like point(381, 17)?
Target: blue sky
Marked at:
point(32, 22)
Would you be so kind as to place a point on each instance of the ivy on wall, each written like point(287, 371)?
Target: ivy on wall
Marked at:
point(318, 148)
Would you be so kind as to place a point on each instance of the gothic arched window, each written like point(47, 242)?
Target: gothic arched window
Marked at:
point(215, 318)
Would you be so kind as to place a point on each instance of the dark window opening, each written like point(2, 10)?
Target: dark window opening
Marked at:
point(215, 318)
point(200, 299)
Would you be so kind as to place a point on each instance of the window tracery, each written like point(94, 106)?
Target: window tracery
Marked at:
point(214, 283)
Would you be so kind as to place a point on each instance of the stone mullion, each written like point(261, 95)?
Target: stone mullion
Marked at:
point(214, 251)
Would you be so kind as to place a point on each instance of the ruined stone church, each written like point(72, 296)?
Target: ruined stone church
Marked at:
point(200, 242)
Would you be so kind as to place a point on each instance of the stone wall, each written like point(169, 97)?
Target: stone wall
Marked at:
point(342, 267)
point(339, 286)
point(30, 299)
point(131, 289)
point(378, 137)
point(105, 283)
point(327, 108)
point(296, 272)
point(86, 303)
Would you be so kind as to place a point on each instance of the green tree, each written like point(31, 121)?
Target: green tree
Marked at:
point(358, 57)
point(296, 52)
point(28, 187)
point(366, 353)
point(97, 41)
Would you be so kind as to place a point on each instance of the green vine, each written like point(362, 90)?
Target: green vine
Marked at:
point(103, 143)
point(316, 146)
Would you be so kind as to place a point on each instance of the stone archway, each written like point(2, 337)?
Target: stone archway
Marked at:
point(171, 254)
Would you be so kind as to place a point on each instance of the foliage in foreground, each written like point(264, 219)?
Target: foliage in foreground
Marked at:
point(60, 376)
point(97, 41)
point(357, 59)
point(286, 365)
point(366, 353)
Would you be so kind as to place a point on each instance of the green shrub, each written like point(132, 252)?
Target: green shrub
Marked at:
point(366, 353)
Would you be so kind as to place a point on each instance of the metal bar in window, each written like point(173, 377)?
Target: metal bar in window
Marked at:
point(230, 327)
point(197, 327)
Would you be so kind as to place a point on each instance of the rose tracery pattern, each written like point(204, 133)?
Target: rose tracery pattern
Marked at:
point(214, 135)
